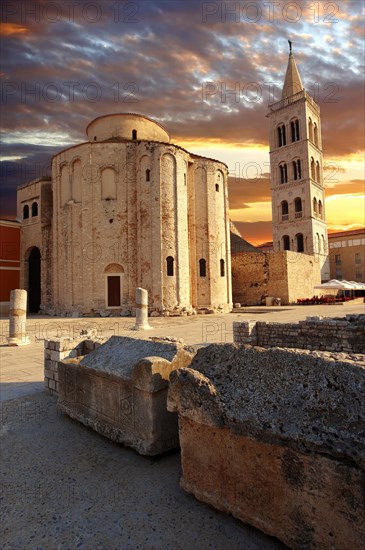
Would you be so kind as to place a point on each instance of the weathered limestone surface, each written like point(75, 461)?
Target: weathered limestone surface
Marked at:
point(17, 318)
point(141, 310)
point(120, 390)
point(64, 348)
point(284, 274)
point(276, 438)
point(342, 334)
point(141, 199)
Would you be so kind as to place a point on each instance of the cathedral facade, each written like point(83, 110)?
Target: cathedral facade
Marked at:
point(126, 209)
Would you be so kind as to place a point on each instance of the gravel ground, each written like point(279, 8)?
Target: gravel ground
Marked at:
point(64, 486)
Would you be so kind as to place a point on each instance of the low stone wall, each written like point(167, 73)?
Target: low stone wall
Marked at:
point(345, 334)
point(60, 349)
point(275, 437)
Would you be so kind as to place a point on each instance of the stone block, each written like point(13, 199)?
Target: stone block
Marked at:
point(49, 374)
point(276, 438)
point(120, 390)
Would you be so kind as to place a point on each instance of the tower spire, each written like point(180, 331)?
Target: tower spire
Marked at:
point(292, 82)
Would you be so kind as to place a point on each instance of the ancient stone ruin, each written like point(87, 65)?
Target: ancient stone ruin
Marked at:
point(276, 438)
point(18, 318)
point(342, 334)
point(120, 390)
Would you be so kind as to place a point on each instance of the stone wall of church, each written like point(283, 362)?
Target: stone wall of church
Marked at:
point(130, 213)
point(286, 275)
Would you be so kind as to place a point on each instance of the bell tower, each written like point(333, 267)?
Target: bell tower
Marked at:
point(298, 207)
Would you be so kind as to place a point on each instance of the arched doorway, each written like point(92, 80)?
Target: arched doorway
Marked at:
point(34, 280)
point(113, 285)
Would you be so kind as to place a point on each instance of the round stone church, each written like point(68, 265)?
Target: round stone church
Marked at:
point(126, 209)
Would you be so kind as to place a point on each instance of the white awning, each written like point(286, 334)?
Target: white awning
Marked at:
point(342, 285)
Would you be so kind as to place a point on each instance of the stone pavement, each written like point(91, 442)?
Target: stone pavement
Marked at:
point(21, 368)
point(63, 486)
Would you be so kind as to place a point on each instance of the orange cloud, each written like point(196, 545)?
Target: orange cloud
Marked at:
point(9, 29)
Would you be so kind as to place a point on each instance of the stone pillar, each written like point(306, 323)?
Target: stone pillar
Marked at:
point(141, 310)
point(18, 318)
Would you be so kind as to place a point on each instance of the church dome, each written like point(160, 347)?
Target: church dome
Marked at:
point(129, 126)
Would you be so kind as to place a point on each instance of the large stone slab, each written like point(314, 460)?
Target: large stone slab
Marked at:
point(277, 438)
point(120, 390)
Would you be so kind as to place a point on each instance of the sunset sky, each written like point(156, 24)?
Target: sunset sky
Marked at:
point(205, 70)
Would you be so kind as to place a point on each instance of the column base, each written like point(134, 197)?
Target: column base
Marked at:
point(18, 341)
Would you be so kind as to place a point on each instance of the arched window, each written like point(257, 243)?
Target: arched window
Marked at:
point(281, 135)
point(315, 132)
point(284, 210)
point(25, 212)
point(283, 173)
point(313, 169)
point(286, 242)
point(134, 134)
point(320, 208)
point(148, 174)
point(202, 268)
point(297, 170)
point(299, 242)
point(298, 207)
point(315, 210)
point(34, 209)
point(222, 268)
point(310, 129)
point(294, 125)
point(170, 266)
point(318, 174)
point(220, 178)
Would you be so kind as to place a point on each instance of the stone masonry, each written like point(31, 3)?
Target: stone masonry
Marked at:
point(128, 209)
point(60, 349)
point(120, 391)
point(346, 334)
point(276, 438)
point(285, 274)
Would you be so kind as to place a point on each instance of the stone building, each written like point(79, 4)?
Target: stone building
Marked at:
point(347, 255)
point(298, 204)
point(126, 209)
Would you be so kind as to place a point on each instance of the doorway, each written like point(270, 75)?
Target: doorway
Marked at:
point(113, 291)
point(34, 280)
